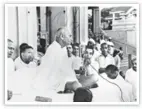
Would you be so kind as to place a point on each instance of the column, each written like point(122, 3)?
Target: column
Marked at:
point(11, 25)
point(43, 18)
point(76, 27)
point(22, 25)
point(48, 25)
point(57, 19)
point(69, 18)
point(27, 26)
point(32, 27)
point(83, 25)
point(96, 21)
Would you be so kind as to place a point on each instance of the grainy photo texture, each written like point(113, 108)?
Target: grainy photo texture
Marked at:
point(71, 53)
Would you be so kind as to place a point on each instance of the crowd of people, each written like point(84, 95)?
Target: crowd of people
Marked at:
point(92, 75)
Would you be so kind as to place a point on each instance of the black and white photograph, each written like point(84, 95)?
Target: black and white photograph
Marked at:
point(72, 53)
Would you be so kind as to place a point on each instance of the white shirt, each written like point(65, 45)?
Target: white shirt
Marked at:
point(71, 61)
point(19, 64)
point(125, 87)
point(10, 65)
point(117, 61)
point(98, 47)
point(93, 68)
point(20, 80)
point(77, 62)
point(10, 71)
point(106, 92)
point(131, 77)
point(105, 61)
point(95, 55)
point(110, 43)
point(102, 41)
point(55, 70)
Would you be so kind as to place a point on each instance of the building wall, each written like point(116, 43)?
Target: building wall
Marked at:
point(83, 25)
point(57, 19)
point(27, 25)
point(22, 23)
point(125, 39)
point(22, 26)
point(12, 32)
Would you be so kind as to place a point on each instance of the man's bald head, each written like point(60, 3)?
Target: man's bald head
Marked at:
point(63, 36)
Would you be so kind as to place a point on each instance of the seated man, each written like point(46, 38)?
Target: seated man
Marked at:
point(110, 47)
point(10, 51)
point(26, 58)
point(89, 71)
point(131, 77)
point(82, 95)
point(10, 65)
point(105, 58)
point(77, 61)
point(70, 55)
point(69, 51)
point(114, 78)
point(96, 54)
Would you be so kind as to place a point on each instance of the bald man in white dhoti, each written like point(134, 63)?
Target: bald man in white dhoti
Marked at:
point(53, 75)
point(55, 72)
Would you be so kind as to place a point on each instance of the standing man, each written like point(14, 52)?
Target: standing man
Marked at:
point(55, 72)
point(131, 77)
point(110, 46)
point(105, 58)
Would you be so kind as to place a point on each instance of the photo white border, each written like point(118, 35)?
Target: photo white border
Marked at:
point(71, 103)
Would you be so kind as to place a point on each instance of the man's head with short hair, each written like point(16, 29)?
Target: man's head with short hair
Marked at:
point(111, 71)
point(69, 50)
point(104, 49)
point(76, 49)
point(10, 50)
point(63, 37)
point(89, 51)
point(134, 64)
point(22, 45)
point(26, 53)
point(82, 95)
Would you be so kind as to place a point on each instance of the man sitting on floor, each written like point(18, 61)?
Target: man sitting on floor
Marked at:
point(25, 60)
point(113, 77)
